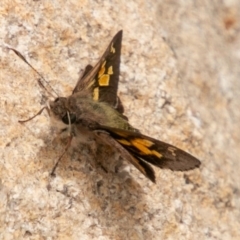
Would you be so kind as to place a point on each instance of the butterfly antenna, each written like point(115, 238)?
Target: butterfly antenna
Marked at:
point(39, 80)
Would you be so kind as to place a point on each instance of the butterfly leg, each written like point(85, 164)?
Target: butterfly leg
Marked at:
point(65, 150)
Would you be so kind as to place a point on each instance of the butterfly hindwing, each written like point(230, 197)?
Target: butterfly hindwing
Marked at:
point(102, 79)
point(141, 165)
point(87, 69)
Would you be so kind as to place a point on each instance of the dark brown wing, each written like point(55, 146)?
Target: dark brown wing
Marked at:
point(141, 165)
point(102, 79)
point(87, 70)
point(150, 150)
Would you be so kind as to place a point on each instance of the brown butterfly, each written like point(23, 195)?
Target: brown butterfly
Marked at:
point(95, 109)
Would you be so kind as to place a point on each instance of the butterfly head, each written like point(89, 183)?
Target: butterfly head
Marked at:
point(62, 110)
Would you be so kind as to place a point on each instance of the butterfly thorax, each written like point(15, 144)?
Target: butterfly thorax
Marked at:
point(82, 110)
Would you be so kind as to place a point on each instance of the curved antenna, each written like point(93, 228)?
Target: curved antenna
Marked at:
point(39, 81)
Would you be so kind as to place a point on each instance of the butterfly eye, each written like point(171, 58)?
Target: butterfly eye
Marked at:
point(70, 116)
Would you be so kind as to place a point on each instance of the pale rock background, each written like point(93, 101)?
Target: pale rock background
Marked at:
point(180, 83)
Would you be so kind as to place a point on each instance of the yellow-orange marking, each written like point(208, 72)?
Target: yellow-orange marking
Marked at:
point(95, 93)
point(112, 49)
point(143, 149)
point(121, 134)
point(157, 154)
point(144, 142)
point(104, 80)
point(110, 70)
point(102, 70)
point(124, 142)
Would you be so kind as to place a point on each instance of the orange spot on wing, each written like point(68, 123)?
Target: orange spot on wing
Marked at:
point(157, 154)
point(96, 94)
point(102, 69)
point(143, 141)
point(112, 49)
point(124, 142)
point(104, 80)
point(110, 70)
point(143, 149)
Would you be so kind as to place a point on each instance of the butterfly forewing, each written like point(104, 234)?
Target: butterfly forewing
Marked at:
point(102, 79)
point(150, 150)
point(141, 165)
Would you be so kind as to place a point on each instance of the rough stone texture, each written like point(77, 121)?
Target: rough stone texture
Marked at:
point(179, 83)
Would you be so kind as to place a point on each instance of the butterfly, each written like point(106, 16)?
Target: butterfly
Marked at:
point(95, 108)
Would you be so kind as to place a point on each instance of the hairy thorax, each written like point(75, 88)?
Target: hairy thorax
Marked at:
point(84, 112)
